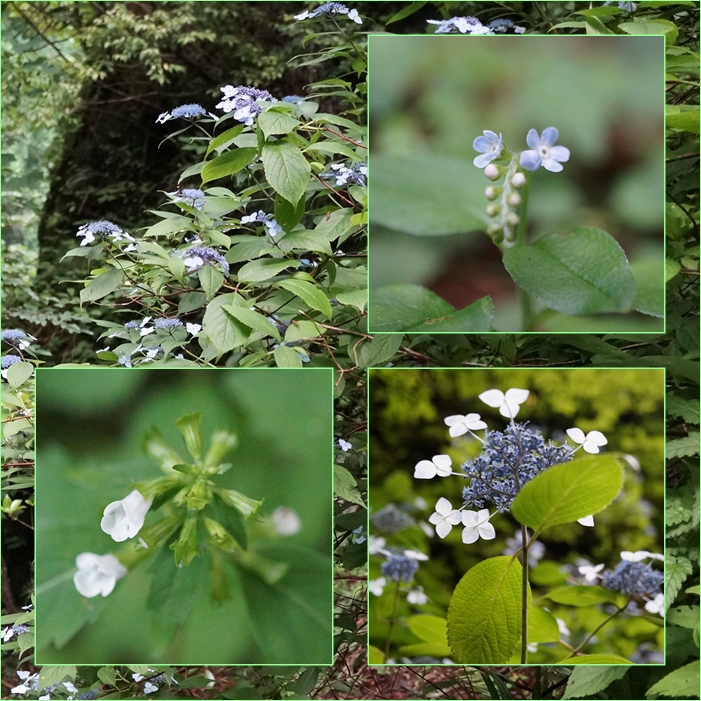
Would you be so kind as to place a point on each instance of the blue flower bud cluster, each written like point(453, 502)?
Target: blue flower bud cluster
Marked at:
point(11, 335)
point(189, 111)
point(167, 323)
point(190, 196)
point(509, 460)
point(471, 25)
point(10, 359)
point(391, 519)
point(329, 9)
point(633, 579)
point(399, 568)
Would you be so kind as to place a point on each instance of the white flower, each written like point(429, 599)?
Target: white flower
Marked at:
point(544, 152)
point(345, 446)
point(97, 574)
point(444, 518)
point(377, 586)
point(193, 329)
point(477, 526)
point(193, 263)
point(562, 627)
point(149, 688)
point(137, 677)
point(287, 521)
point(376, 546)
point(591, 442)
point(124, 518)
point(508, 404)
point(586, 521)
point(440, 465)
point(591, 572)
point(415, 555)
point(459, 425)
point(639, 555)
point(417, 597)
point(656, 605)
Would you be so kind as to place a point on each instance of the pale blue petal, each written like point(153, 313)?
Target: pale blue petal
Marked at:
point(482, 144)
point(550, 136)
point(560, 153)
point(484, 160)
point(533, 139)
point(552, 166)
point(530, 160)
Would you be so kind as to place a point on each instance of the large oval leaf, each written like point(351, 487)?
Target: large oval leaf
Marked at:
point(102, 285)
point(484, 616)
point(227, 164)
point(311, 294)
point(286, 169)
point(412, 308)
point(225, 332)
point(584, 272)
point(565, 493)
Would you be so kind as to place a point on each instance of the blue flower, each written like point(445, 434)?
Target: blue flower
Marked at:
point(633, 579)
point(167, 323)
point(293, 99)
point(196, 257)
point(190, 196)
point(355, 173)
point(189, 111)
point(399, 568)
point(390, 519)
point(544, 152)
point(10, 359)
point(260, 216)
point(489, 146)
point(464, 25)
point(243, 102)
point(501, 25)
point(329, 9)
point(627, 6)
point(101, 229)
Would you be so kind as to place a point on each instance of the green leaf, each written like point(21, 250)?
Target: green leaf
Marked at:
point(259, 270)
point(286, 169)
point(48, 676)
point(107, 675)
point(589, 681)
point(171, 225)
point(306, 330)
point(688, 409)
point(681, 682)
point(484, 616)
point(687, 120)
point(19, 373)
point(432, 629)
point(676, 570)
point(427, 195)
point(227, 164)
point(596, 659)
point(684, 616)
point(191, 301)
point(649, 27)
point(683, 447)
point(542, 626)
point(211, 280)
point(344, 485)
point(412, 308)
point(378, 351)
point(224, 139)
point(232, 519)
point(287, 357)
point(305, 241)
point(356, 298)
point(335, 224)
point(408, 10)
point(650, 291)
point(596, 26)
point(584, 272)
point(581, 595)
point(102, 285)
point(287, 214)
point(565, 493)
point(254, 320)
point(225, 332)
point(427, 649)
point(672, 269)
point(311, 294)
point(333, 148)
point(375, 655)
point(277, 120)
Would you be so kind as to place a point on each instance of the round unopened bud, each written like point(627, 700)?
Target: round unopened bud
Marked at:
point(514, 199)
point(498, 236)
point(518, 180)
point(512, 218)
point(492, 210)
point(493, 229)
point(491, 193)
point(491, 171)
point(510, 234)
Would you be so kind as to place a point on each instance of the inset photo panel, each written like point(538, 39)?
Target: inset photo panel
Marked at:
point(516, 183)
point(184, 517)
point(516, 517)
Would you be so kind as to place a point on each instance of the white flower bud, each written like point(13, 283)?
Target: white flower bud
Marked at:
point(512, 218)
point(492, 210)
point(491, 193)
point(514, 199)
point(518, 180)
point(491, 171)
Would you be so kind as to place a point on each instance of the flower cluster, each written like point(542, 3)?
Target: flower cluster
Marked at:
point(329, 9)
point(243, 101)
point(8, 633)
point(471, 25)
point(267, 219)
point(356, 173)
point(199, 256)
point(190, 196)
point(17, 337)
point(391, 519)
point(636, 579)
point(400, 568)
point(7, 361)
point(104, 229)
point(188, 111)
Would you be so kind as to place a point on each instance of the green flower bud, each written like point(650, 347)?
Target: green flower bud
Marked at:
point(512, 218)
point(222, 443)
point(155, 447)
point(186, 548)
point(198, 495)
point(153, 536)
point(189, 426)
point(245, 505)
point(150, 489)
point(219, 536)
point(492, 210)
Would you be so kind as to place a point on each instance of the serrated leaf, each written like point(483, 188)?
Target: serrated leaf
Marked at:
point(431, 629)
point(286, 169)
point(224, 139)
point(542, 626)
point(580, 595)
point(211, 280)
point(588, 681)
point(171, 225)
point(277, 121)
point(102, 285)
point(344, 485)
point(299, 330)
point(683, 447)
point(227, 164)
point(311, 294)
point(225, 332)
point(254, 320)
point(596, 659)
point(50, 675)
point(287, 357)
point(688, 409)
point(107, 675)
point(676, 570)
point(378, 351)
point(305, 241)
point(414, 309)
point(681, 682)
point(484, 616)
point(583, 272)
point(672, 269)
point(259, 270)
point(648, 27)
point(335, 224)
point(565, 493)
point(684, 616)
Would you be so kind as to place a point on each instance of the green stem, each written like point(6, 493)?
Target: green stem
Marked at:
point(392, 621)
point(526, 306)
point(618, 610)
point(524, 595)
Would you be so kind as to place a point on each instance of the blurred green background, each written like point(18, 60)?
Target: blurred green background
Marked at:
point(431, 96)
point(90, 427)
point(407, 408)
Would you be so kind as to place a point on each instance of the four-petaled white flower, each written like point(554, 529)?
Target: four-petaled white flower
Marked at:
point(440, 465)
point(445, 517)
point(124, 518)
point(477, 526)
point(640, 555)
point(149, 688)
point(417, 597)
point(97, 574)
point(489, 146)
point(193, 329)
point(656, 605)
point(508, 404)
point(586, 521)
point(591, 572)
point(377, 586)
point(345, 446)
point(591, 442)
point(459, 425)
point(544, 152)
